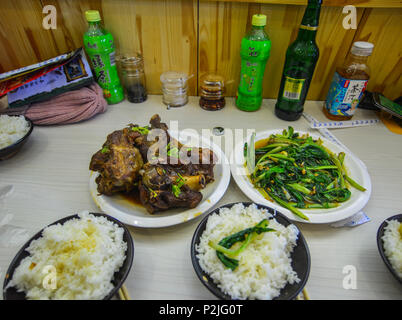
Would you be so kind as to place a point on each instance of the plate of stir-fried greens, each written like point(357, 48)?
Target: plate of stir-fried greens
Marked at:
point(312, 178)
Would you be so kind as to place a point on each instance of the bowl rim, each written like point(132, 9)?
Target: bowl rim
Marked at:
point(201, 274)
point(380, 245)
point(16, 143)
point(130, 249)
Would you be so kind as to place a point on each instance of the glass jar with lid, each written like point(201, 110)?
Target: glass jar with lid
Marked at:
point(212, 89)
point(174, 88)
point(132, 74)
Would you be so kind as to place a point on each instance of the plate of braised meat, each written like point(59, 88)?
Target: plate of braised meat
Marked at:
point(152, 177)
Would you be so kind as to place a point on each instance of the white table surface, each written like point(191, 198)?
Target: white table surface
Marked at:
point(50, 177)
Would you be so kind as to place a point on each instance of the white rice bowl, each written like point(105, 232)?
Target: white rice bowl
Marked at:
point(12, 129)
point(85, 252)
point(264, 266)
point(392, 240)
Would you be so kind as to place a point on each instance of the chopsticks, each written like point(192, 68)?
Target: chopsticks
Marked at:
point(123, 293)
point(304, 295)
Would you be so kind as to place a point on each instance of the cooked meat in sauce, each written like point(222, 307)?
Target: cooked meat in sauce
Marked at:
point(164, 181)
point(118, 163)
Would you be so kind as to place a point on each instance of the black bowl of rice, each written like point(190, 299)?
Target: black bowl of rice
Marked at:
point(86, 256)
point(14, 132)
point(389, 242)
point(273, 266)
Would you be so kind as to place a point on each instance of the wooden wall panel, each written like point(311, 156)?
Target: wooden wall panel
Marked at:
point(22, 38)
point(334, 43)
point(220, 25)
point(333, 3)
point(71, 23)
point(199, 36)
point(223, 24)
point(164, 30)
point(383, 27)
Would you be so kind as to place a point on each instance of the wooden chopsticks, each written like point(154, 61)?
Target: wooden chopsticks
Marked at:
point(303, 295)
point(123, 293)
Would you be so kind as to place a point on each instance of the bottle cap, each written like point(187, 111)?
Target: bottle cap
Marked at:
point(131, 62)
point(259, 20)
point(92, 16)
point(212, 85)
point(362, 48)
point(211, 79)
point(173, 77)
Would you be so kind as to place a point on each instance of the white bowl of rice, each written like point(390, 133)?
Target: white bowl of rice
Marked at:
point(275, 265)
point(14, 131)
point(81, 257)
point(389, 240)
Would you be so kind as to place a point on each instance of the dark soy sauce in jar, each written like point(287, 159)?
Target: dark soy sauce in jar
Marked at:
point(136, 93)
point(133, 77)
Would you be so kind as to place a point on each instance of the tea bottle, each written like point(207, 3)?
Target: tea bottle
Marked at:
point(349, 83)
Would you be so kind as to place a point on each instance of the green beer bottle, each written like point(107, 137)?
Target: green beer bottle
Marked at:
point(254, 52)
point(301, 58)
point(99, 46)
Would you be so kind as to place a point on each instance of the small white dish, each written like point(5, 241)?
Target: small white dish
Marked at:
point(353, 166)
point(125, 211)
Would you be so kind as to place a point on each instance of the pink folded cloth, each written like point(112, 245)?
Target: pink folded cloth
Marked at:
point(69, 107)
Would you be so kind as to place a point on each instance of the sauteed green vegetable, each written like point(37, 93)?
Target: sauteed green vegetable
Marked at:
point(298, 172)
point(223, 248)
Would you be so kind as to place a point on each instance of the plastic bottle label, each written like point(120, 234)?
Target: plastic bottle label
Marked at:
point(293, 88)
point(254, 56)
point(112, 57)
point(344, 95)
point(101, 52)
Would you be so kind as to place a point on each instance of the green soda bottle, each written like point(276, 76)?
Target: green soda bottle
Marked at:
point(254, 52)
point(301, 58)
point(99, 46)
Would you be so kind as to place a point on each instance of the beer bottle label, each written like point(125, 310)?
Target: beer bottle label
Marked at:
point(293, 88)
point(344, 95)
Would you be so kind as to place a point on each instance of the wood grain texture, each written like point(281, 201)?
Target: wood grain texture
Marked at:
point(383, 27)
point(165, 31)
point(333, 3)
point(23, 41)
point(198, 36)
point(222, 26)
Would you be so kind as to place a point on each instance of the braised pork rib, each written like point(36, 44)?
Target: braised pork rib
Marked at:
point(164, 181)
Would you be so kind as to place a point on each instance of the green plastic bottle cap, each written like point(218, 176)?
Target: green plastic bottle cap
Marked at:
point(259, 20)
point(92, 15)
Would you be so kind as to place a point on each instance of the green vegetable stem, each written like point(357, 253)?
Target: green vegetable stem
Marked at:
point(298, 172)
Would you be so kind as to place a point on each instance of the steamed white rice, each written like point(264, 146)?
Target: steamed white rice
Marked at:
point(85, 253)
point(264, 266)
point(392, 240)
point(12, 129)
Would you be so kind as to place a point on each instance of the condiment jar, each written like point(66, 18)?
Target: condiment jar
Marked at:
point(212, 89)
point(174, 88)
point(131, 69)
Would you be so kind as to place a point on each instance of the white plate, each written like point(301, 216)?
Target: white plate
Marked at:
point(120, 208)
point(353, 166)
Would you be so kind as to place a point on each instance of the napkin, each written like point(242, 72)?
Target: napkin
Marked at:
point(353, 221)
point(10, 235)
